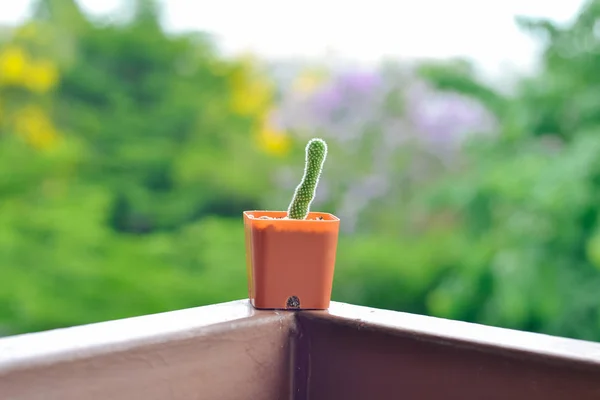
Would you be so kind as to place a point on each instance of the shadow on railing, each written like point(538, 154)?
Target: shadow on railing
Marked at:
point(232, 351)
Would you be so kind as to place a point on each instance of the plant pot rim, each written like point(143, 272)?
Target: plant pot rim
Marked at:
point(327, 217)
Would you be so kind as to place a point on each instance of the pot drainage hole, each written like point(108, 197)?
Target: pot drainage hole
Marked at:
point(293, 302)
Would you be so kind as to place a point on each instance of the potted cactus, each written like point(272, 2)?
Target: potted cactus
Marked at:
point(290, 256)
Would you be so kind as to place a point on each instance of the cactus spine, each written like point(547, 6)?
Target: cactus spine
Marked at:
point(316, 152)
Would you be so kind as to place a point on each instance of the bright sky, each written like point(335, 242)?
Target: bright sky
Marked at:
point(364, 30)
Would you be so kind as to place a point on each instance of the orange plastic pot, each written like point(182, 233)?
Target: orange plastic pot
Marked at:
point(290, 263)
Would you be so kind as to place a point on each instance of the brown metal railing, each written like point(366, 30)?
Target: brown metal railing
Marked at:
point(231, 351)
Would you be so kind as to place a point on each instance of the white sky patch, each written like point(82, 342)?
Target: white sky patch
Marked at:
point(361, 30)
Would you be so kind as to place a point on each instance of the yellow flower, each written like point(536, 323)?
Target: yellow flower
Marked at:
point(35, 127)
point(308, 81)
point(17, 69)
point(13, 62)
point(41, 76)
point(272, 139)
point(42, 139)
point(252, 93)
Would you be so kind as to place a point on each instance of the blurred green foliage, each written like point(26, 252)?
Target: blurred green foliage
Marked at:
point(122, 185)
point(526, 204)
point(124, 206)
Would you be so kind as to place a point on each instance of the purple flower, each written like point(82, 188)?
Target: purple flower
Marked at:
point(346, 94)
point(359, 82)
point(327, 100)
point(373, 117)
point(446, 117)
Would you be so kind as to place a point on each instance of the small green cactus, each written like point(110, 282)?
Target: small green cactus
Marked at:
point(316, 152)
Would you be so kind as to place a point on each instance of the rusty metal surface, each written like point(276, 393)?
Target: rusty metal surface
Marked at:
point(231, 351)
point(362, 353)
point(226, 351)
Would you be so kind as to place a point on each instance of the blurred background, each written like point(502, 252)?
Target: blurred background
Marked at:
point(464, 154)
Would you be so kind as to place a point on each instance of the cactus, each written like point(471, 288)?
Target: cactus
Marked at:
point(316, 152)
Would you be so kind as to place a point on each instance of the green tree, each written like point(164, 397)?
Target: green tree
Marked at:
point(127, 212)
point(527, 203)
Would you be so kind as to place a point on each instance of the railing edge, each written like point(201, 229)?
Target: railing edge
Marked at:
point(464, 333)
point(67, 344)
